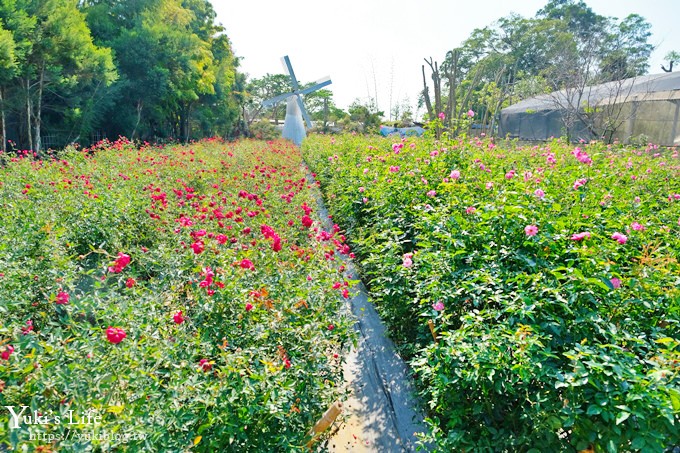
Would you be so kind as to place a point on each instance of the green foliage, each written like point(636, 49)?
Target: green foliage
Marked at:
point(7, 51)
point(366, 115)
point(565, 45)
point(152, 69)
point(264, 130)
point(545, 342)
point(58, 68)
point(268, 334)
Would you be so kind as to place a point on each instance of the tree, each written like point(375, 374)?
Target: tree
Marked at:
point(577, 16)
point(185, 85)
point(366, 115)
point(626, 50)
point(267, 87)
point(18, 26)
point(566, 46)
point(7, 67)
point(321, 107)
point(672, 57)
point(56, 61)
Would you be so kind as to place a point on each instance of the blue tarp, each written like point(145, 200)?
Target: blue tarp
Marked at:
point(402, 131)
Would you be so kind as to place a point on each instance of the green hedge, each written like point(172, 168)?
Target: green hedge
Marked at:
point(249, 364)
point(547, 340)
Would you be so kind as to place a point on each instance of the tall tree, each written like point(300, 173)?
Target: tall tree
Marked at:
point(7, 67)
point(57, 55)
point(189, 66)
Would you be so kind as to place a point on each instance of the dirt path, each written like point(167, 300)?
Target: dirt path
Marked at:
point(382, 413)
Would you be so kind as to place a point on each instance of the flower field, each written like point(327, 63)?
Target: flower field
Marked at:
point(166, 299)
point(535, 289)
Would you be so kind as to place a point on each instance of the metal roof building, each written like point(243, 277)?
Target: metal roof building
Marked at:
point(645, 107)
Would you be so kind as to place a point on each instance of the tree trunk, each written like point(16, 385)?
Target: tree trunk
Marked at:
point(426, 95)
point(437, 82)
point(29, 109)
point(2, 120)
point(38, 113)
point(453, 82)
point(140, 105)
point(185, 120)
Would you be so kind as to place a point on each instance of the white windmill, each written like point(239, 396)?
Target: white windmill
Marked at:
point(293, 127)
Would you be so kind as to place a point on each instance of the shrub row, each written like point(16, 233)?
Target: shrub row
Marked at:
point(186, 296)
point(549, 275)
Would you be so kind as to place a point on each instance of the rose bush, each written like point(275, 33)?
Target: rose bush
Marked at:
point(136, 282)
point(549, 274)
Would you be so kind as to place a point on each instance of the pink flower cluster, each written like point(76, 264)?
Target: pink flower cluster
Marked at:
point(580, 236)
point(7, 352)
point(620, 238)
point(582, 156)
point(407, 260)
point(531, 230)
point(579, 183)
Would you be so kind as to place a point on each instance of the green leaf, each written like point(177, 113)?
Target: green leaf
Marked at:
point(622, 417)
point(608, 283)
point(675, 399)
point(638, 443)
point(594, 409)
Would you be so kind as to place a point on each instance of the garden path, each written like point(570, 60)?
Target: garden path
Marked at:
point(382, 413)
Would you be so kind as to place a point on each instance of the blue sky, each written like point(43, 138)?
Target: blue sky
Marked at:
point(375, 48)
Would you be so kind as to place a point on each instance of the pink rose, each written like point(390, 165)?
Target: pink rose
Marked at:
point(531, 230)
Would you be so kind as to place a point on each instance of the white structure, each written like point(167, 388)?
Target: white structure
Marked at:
point(293, 127)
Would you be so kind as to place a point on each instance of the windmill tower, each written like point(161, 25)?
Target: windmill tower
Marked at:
point(293, 126)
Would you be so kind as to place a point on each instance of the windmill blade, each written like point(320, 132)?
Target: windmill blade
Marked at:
point(286, 64)
point(304, 112)
point(318, 85)
point(276, 99)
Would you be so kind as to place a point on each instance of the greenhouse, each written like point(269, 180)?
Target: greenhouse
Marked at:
point(640, 109)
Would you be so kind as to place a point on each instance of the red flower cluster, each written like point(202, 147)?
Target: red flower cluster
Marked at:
point(115, 335)
point(62, 298)
point(269, 233)
point(121, 263)
point(247, 264)
point(307, 221)
point(198, 247)
point(9, 349)
point(205, 364)
point(178, 318)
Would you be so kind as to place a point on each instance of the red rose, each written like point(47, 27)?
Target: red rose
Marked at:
point(198, 247)
point(115, 335)
point(62, 298)
point(9, 349)
point(205, 364)
point(307, 221)
point(178, 318)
